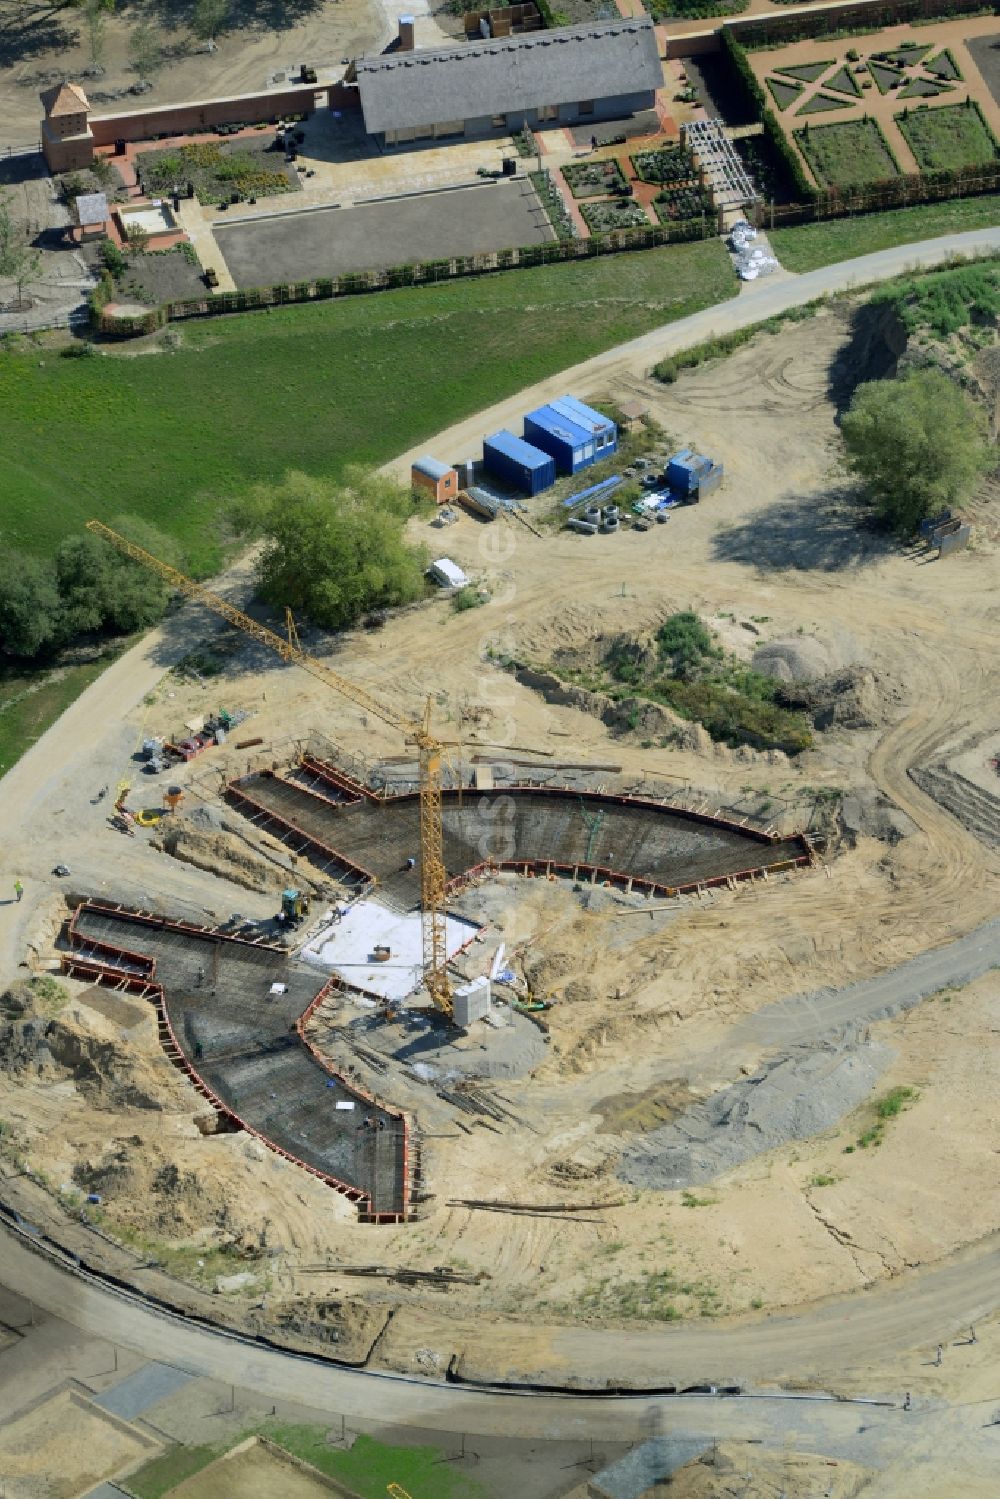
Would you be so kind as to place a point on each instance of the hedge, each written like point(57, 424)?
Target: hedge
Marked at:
point(740, 62)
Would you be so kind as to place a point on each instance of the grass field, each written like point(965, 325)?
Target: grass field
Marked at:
point(953, 135)
point(805, 247)
point(848, 153)
point(29, 703)
point(169, 436)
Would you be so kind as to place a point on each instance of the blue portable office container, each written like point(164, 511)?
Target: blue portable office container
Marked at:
point(691, 476)
point(521, 465)
point(575, 435)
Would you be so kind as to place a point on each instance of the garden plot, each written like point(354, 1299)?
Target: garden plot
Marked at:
point(247, 168)
point(847, 153)
point(605, 214)
point(593, 179)
point(955, 136)
point(868, 74)
point(681, 195)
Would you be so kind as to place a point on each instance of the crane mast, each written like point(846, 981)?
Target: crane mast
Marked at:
point(433, 876)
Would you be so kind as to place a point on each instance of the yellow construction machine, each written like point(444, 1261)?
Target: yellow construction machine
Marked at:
point(433, 877)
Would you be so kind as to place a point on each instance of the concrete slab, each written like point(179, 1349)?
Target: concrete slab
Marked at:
point(346, 947)
point(142, 1390)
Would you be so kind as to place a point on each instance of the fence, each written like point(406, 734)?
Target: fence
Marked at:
point(897, 192)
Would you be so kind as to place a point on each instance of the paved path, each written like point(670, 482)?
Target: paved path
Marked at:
point(632, 361)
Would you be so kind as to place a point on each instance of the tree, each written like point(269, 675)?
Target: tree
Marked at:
point(102, 590)
point(138, 239)
point(333, 551)
point(31, 619)
point(18, 261)
point(95, 14)
point(209, 18)
point(917, 443)
point(145, 49)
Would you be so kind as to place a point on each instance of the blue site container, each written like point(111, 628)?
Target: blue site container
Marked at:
point(572, 433)
point(691, 475)
point(524, 467)
point(601, 427)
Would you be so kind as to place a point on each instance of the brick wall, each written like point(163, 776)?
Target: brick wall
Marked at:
point(205, 114)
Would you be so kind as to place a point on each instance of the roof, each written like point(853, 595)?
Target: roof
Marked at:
point(492, 76)
point(91, 208)
point(64, 99)
point(432, 467)
point(514, 447)
point(633, 411)
point(552, 421)
point(584, 416)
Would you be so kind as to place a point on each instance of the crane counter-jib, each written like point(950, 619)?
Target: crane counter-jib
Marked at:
point(433, 875)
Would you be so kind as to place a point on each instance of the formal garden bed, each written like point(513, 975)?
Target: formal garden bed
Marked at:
point(913, 70)
point(551, 200)
point(667, 164)
point(675, 204)
point(605, 214)
point(784, 91)
point(593, 179)
point(848, 153)
point(821, 103)
point(219, 173)
point(954, 135)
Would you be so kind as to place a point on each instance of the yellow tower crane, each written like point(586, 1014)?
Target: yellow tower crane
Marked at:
point(433, 877)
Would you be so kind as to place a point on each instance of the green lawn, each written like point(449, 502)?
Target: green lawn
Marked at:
point(807, 246)
point(170, 436)
point(953, 135)
point(30, 702)
point(847, 154)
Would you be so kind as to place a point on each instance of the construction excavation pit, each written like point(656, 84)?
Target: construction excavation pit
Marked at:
point(298, 1058)
point(706, 998)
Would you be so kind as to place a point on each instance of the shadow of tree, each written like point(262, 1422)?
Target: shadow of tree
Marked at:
point(259, 15)
point(828, 532)
point(871, 352)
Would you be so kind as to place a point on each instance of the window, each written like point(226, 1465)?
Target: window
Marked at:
point(548, 111)
point(586, 106)
point(499, 121)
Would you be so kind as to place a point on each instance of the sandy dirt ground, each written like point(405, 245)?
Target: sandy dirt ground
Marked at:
point(65, 1445)
point(875, 105)
point(38, 48)
point(646, 1006)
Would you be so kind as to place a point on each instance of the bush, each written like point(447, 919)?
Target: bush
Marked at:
point(916, 443)
point(112, 258)
point(686, 642)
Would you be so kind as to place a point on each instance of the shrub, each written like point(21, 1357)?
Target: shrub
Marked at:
point(112, 258)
